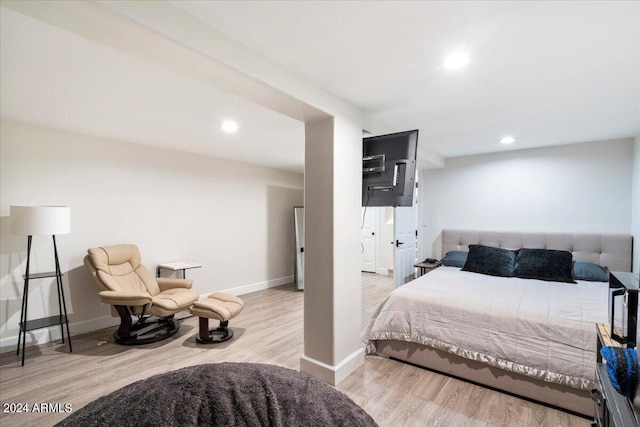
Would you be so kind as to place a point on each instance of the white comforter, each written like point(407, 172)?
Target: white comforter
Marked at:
point(542, 329)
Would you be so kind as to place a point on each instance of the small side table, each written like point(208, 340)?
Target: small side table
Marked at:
point(177, 266)
point(626, 289)
point(425, 267)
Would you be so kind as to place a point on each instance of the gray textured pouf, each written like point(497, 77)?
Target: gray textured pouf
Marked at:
point(224, 394)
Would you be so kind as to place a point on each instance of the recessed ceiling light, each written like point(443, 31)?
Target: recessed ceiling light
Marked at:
point(456, 60)
point(229, 126)
point(507, 140)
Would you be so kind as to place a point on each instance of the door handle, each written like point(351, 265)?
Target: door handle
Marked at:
point(398, 243)
point(373, 234)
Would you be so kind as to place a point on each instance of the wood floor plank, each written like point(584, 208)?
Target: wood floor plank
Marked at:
point(269, 330)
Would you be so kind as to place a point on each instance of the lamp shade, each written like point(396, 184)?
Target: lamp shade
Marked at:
point(40, 220)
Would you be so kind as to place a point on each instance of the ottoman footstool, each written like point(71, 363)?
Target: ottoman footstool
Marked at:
point(218, 306)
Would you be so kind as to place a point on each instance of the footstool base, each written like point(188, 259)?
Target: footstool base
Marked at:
point(212, 336)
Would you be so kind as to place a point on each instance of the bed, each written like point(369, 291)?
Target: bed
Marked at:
point(533, 338)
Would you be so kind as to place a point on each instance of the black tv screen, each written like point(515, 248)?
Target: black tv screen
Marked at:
point(389, 169)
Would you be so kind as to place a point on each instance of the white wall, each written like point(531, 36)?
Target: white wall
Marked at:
point(571, 188)
point(234, 218)
point(635, 204)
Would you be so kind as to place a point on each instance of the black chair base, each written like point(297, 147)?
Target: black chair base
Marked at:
point(213, 336)
point(144, 332)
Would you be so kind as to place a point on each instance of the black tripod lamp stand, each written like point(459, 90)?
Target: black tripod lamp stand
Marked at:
point(41, 221)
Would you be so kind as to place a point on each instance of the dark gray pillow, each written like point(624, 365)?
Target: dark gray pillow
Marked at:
point(490, 260)
point(544, 264)
point(454, 259)
point(589, 271)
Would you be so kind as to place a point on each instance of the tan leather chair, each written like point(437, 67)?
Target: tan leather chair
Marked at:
point(132, 290)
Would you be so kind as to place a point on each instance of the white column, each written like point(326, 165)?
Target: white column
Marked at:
point(332, 299)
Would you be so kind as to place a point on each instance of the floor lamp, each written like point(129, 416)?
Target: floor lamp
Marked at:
point(41, 221)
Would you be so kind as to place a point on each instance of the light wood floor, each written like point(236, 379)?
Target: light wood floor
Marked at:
point(269, 330)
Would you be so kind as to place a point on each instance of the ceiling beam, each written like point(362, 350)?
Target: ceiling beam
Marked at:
point(108, 28)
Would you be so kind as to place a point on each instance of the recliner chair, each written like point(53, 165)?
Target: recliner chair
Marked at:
point(132, 290)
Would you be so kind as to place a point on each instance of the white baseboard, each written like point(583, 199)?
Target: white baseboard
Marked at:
point(241, 290)
point(383, 271)
point(47, 335)
point(332, 374)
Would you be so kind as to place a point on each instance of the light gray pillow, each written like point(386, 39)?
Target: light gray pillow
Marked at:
point(454, 259)
point(589, 271)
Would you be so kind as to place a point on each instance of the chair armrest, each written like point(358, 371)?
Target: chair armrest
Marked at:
point(125, 298)
point(171, 283)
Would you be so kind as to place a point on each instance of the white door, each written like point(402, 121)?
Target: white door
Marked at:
point(404, 255)
point(298, 217)
point(368, 239)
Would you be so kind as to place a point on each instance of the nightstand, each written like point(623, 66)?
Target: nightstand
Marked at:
point(425, 267)
point(612, 408)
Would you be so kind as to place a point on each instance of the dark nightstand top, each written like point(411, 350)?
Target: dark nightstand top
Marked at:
point(426, 267)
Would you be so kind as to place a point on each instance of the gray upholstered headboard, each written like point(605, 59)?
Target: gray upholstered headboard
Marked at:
point(613, 251)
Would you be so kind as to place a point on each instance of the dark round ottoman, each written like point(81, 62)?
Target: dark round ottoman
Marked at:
point(224, 394)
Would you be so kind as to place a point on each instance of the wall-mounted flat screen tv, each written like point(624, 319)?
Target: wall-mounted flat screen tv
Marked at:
point(389, 169)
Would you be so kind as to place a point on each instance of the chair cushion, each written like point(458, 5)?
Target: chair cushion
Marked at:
point(226, 298)
point(130, 282)
point(218, 306)
point(104, 258)
point(119, 268)
point(128, 299)
point(174, 299)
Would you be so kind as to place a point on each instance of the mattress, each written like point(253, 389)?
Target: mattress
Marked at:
point(541, 329)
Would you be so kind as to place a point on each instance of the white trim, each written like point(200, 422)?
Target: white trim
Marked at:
point(47, 335)
point(384, 271)
point(253, 287)
point(332, 374)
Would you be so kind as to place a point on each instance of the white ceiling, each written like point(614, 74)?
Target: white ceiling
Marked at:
point(546, 72)
point(57, 79)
